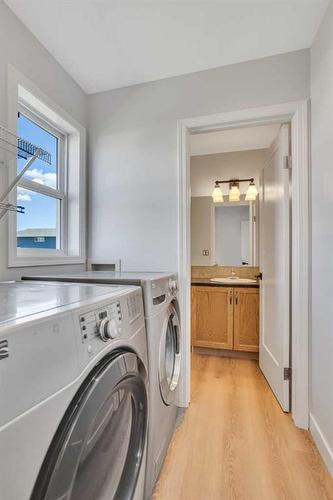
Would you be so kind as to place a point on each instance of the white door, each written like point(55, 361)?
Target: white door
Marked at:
point(274, 350)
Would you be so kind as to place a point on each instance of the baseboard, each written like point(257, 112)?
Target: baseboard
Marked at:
point(225, 353)
point(322, 444)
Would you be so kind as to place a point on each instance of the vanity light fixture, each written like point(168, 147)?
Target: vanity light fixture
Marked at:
point(217, 194)
point(252, 192)
point(234, 192)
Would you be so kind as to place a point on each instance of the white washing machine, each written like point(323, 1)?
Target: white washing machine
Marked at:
point(74, 392)
point(160, 294)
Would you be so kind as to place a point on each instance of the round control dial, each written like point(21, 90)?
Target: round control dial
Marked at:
point(108, 329)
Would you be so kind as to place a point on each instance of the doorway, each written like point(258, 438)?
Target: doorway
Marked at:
point(297, 115)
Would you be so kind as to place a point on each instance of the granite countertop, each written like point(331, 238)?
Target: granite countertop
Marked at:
point(207, 282)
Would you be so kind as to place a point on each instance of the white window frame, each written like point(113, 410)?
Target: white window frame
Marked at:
point(58, 193)
point(25, 97)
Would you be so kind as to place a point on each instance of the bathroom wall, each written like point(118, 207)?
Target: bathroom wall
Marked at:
point(206, 169)
point(202, 230)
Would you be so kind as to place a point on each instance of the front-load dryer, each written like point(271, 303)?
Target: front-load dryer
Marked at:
point(164, 347)
point(74, 392)
point(160, 295)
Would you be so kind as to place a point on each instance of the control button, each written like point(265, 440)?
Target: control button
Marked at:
point(82, 318)
point(101, 329)
point(112, 331)
point(108, 329)
point(84, 327)
point(89, 349)
point(153, 285)
point(85, 336)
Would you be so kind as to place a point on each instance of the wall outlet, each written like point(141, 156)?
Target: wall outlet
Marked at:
point(205, 253)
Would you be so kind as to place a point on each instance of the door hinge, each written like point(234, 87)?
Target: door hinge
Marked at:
point(286, 373)
point(287, 162)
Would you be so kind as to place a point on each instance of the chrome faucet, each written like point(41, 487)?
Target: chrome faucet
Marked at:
point(233, 274)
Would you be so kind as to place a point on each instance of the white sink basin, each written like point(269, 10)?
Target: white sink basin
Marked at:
point(234, 280)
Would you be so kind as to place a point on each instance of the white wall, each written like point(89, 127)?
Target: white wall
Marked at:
point(322, 238)
point(133, 150)
point(228, 234)
point(206, 169)
point(21, 49)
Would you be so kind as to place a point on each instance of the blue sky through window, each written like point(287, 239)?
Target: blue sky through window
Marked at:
point(40, 210)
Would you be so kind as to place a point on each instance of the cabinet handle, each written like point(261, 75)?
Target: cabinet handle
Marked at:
point(236, 299)
point(230, 298)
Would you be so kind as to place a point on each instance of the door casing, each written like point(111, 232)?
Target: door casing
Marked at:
point(297, 113)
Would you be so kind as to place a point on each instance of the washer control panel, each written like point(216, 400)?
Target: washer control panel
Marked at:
point(105, 323)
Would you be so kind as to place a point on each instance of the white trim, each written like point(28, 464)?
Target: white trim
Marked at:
point(23, 92)
point(48, 261)
point(41, 189)
point(297, 114)
point(97, 264)
point(300, 286)
point(322, 443)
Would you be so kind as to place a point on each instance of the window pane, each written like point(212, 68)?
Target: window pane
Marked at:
point(40, 172)
point(39, 226)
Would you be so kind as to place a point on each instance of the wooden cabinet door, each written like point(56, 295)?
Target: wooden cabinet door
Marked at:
point(246, 319)
point(212, 317)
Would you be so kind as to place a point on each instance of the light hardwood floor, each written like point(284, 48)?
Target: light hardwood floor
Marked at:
point(236, 443)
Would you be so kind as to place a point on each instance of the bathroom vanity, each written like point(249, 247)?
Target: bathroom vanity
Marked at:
point(225, 315)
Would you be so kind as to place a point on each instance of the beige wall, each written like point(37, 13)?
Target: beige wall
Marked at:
point(206, 169)
point(202, 230)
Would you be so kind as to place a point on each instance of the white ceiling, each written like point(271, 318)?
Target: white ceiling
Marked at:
point(106, 44)
point(240, 139)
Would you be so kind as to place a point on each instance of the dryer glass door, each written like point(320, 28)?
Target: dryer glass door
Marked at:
point(99, 446)
point(170, 357)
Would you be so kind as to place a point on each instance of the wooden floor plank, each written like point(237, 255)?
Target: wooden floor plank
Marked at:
point(235, 442)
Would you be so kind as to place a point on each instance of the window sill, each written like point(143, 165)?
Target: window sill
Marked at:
point(44, 261)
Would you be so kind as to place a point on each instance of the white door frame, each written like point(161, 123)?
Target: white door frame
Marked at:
point(298, 114)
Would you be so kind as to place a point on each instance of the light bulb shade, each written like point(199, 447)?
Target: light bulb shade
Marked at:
point(234, 193)
point(252, 192)
point(217, 195)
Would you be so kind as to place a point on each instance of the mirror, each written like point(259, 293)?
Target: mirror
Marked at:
point(224, 233)
point(232, 235)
